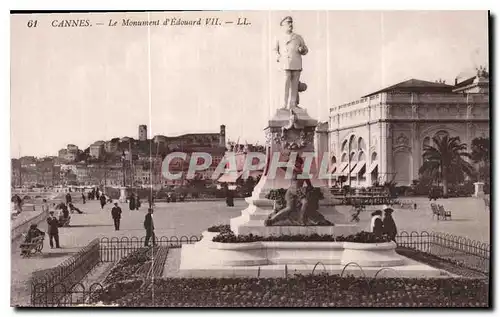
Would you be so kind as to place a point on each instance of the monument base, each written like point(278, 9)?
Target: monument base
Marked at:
point(272, 259)
point(253, 217)
point(123, 195)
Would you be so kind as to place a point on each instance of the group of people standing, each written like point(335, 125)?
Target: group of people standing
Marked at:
point(134, 203)
point(383, 226)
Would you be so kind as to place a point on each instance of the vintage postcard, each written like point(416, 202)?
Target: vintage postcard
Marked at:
point(250, 159)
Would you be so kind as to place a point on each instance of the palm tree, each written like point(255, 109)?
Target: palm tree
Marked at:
point(445, 161)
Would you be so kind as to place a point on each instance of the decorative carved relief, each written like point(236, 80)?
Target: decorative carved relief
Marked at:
point(401, 140)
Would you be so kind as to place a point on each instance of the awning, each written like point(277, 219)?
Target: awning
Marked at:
point(231, 177)
point(332, 169)
point(340, 169)
point(353, 166)
point(358, 168)
point(343, 166)
point(372, 166)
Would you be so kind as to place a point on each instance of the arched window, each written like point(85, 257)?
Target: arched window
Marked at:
point(344, 146)
point(362, 156)
point(353, 156)
point(334, 160)
point(352, 143)
point(374, 156)
point(361, 144)
point(344, 157)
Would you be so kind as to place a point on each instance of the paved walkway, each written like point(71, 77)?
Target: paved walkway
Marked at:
point(191, 218)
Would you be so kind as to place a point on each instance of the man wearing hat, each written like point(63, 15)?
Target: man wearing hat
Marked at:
point(289, 50)
point(390, 228)
point(116, 213)
point(53, 223)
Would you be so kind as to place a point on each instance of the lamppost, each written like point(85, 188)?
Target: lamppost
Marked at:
point(123, 168)
point(123, 197)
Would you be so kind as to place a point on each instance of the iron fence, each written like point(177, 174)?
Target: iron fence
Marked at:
point(469, 253)
point(112, 250)
point(65, 275)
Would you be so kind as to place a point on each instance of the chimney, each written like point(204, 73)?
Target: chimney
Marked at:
point(222, 137)
point(456, 81)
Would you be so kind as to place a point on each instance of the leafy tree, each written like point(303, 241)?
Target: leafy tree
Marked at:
point(445, 161)
point(481, 155)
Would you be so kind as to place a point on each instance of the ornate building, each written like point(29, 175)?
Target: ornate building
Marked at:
point(381, 136)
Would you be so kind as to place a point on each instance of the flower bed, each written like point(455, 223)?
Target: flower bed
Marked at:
point(304, 291)
point(219, 228)
point(360, 237)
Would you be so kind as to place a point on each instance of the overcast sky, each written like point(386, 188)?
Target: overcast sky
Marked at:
point(79, 85)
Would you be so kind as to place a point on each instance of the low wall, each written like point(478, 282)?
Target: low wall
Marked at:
point(207, 253)
point(17, 229)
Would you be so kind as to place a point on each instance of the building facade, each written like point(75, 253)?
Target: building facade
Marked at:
point(381, 137)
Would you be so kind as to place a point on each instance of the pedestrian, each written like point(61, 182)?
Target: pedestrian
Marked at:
point(103, 201)
point(390, 228)
point(83, 198)
point(116, 213)
point(45, 207)
point(68, 198)
point(131, 202)
point(137, 203)
point(53, 223)
point(149, 226)
point(97, 194)
point(376, 224)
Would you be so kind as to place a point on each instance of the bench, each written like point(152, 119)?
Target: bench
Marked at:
point(444, 214)
point(32, 247)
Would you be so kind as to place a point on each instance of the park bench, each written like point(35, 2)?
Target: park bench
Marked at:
point(32, 247)
point(444, 214)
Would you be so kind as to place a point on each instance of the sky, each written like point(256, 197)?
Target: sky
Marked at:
point(79, 85)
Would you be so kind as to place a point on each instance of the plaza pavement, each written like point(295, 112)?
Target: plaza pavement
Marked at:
point(469, 219)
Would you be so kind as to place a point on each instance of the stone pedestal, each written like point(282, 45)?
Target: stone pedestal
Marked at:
point(259, 207)
point(123, 195)
point(478, 189)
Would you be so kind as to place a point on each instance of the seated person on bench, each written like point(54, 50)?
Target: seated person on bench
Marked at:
point(32, 233)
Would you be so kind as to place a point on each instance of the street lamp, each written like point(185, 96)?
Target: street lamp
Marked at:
point(123, 167)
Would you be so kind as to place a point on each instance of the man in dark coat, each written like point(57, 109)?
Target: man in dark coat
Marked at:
point(83, 198)
point(53, 227)
point(377, 226)
point(116, 213)
point(131, 202)
point(149, 226)
point(103, 201)
point(390, 228)
point(68, 198)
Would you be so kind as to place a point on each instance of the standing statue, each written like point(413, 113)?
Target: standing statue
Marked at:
point(289, 50)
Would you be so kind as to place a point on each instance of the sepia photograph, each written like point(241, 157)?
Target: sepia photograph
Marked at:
point(176, 159)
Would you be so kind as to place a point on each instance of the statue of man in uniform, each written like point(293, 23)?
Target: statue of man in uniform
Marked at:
point(289, 50)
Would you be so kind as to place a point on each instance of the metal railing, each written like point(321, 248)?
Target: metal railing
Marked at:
point(65, 275)
point(469, 253)
point(112, 250)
